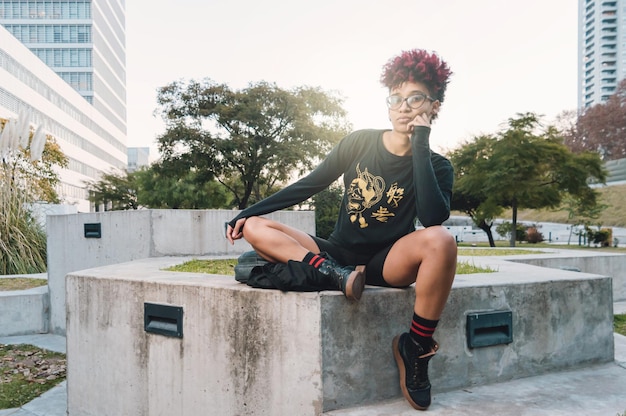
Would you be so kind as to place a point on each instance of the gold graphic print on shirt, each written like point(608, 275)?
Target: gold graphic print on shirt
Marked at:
point(364, 192)
point(394, 195)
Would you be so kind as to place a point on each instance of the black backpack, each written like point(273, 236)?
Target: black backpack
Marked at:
point(245, 263)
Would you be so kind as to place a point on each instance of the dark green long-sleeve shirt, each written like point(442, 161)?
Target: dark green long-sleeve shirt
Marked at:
point(385, 193)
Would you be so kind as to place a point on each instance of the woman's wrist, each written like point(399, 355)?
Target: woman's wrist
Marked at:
point(420, 136)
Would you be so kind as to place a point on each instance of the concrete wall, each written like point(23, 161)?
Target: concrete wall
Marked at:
point(603, 263)
point(616, 170)
point(250, 351)
point(131, 235)
point(24, 312)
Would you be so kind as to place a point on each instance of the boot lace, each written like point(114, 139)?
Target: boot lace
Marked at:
point(419, 373)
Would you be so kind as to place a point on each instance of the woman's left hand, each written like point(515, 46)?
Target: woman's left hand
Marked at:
point(422, 119)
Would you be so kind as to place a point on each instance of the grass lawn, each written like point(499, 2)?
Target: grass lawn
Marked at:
point(27, 372)
point(487, 251)
point(619, 324)
point(614, 197)
point(527, 248)
point(222, 266)
point(227, 267)
point(20, 283)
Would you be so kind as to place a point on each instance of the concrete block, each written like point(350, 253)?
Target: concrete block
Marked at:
point(598, 262)
point(138, 234)
point(243, 352)
point(250, 351)
point(125, 237)
point(558, 324)
point(24, 311)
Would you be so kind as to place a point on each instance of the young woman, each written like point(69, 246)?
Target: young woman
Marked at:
point(392, 179)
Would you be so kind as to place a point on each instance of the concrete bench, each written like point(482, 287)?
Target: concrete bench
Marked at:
point(219, 347)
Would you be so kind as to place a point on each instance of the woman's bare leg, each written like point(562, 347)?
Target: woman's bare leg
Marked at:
point(427, 258)
point(277, 242)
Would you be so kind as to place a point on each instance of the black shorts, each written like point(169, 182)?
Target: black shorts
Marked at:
point(373, 263)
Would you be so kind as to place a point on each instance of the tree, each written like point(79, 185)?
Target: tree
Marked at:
point(45, 177)
point(327, 204)
point(250, 140)
point(582, 209)
point(602, 127)
point(522, 167)
point(158, 189)
point(30, 160)
point(115, 190)
point(506, 228)
point(155, 187)
point(466, 195)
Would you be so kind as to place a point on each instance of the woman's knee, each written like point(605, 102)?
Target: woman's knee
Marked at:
point(439, 239)
point(253, 228)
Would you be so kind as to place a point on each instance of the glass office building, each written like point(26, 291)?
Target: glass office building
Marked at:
point(138, 157)
point(601, 49)
point(63, 62)
point(82, 41)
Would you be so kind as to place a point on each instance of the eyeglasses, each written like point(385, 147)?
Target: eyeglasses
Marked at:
point(414, 101)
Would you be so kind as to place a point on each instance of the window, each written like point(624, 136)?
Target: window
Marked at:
point(58, 57)
point(84, 34)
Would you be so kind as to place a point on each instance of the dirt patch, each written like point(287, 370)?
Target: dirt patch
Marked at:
point(26, 372)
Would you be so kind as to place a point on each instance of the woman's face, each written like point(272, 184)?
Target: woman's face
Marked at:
point(408, 101)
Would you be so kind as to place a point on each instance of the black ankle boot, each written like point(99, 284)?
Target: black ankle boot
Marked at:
point(348, 279)
point(412, 360)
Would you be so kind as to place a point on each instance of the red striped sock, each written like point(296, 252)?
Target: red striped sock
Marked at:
point(422, 331)
point(313, 259)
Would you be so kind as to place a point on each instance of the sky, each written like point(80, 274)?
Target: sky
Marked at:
point(507, 57)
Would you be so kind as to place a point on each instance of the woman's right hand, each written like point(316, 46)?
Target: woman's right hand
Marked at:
point(236, 233)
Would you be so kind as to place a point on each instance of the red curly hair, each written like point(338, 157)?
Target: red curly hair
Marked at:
point(417, 65)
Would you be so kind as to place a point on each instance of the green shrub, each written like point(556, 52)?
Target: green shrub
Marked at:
point(598, 237)
point(619, 324)
point(505, 228)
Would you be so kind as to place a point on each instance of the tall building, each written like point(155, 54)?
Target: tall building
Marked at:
point(84, 41)
point(601, 49)
point(138, 157)
point(63, 62)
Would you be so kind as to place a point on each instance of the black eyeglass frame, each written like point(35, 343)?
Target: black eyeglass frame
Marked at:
point(399, 104)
